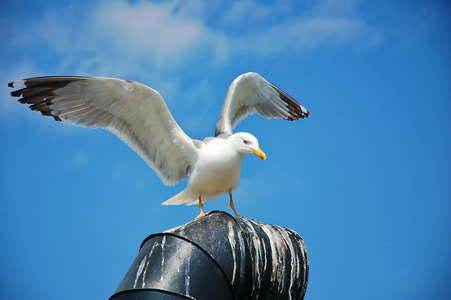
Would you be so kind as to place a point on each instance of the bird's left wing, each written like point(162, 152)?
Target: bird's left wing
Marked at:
point(250, 93)
point(134, 112)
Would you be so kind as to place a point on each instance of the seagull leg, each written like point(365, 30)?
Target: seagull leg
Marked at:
point(232, 205)
point(202, 214)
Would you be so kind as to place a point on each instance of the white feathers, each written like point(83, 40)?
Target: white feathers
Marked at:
point(250, 93)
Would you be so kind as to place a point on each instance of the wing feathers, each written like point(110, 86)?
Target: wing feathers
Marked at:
point(296, 110)
point(139, 116)
point(135, 113)
point(250, 93)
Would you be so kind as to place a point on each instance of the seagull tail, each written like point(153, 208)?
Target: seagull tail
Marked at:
point(181, 198)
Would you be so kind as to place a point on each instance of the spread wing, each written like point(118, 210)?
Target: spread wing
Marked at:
point(134, 112)
point(250, 93)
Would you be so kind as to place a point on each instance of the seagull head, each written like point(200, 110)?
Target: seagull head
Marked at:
point(247, 144)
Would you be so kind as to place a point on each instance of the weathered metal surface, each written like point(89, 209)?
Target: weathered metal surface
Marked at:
point(172, 263)
point(279, 261)
point(221, 257)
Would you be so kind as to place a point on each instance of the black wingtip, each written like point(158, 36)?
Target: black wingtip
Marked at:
point(297, 111)
point(305, 114)
point(17, 93)
point(11, 84)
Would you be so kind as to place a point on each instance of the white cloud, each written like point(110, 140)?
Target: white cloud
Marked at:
point(246, 12)
point(157, 30)
point(172, 34)
point(329, 23)
point(309, 34)
point(153, 42)
point(148, 25)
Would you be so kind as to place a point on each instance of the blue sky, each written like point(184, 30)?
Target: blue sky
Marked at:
point(365, 180)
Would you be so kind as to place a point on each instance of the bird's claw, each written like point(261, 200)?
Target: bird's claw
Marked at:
point(201, 215)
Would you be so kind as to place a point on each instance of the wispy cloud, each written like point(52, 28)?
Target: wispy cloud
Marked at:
point(157, 41)
point(326, 24)
point(171, 34)
point(160, 34)
point(77, 159)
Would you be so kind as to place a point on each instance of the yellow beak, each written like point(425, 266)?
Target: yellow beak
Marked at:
point(260, 153)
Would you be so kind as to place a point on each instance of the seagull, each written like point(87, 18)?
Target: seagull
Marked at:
point(138, 115)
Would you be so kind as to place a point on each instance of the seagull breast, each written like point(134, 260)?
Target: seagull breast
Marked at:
point(216, 171)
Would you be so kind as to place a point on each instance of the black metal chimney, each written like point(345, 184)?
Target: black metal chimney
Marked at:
point(218, 257)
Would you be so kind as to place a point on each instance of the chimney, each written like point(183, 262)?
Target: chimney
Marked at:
point(218, 257)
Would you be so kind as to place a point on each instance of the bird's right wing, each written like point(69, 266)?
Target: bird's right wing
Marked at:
point(250, 93)
point(134, 112)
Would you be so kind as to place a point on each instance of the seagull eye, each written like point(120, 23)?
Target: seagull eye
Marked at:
point(245, 142)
